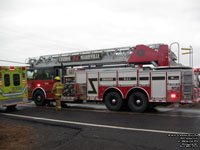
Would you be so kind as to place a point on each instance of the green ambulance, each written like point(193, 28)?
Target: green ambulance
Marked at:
point(13, 86)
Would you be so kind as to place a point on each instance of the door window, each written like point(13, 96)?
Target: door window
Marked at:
point(7, 79)
point(16, 79)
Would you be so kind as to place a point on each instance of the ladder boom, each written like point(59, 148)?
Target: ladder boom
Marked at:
point(140, 54)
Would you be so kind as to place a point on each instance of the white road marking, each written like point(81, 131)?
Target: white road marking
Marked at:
point(95, 125)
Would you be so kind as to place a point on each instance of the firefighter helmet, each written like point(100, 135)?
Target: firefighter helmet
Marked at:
point(57, 78)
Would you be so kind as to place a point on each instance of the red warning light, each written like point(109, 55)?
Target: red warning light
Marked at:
point(23, 75)
point(196, 70)
point(12, 68)
point(173, 95)
point(23, 68)
point(38, 85)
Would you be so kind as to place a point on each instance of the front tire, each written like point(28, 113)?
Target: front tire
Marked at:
point(113, 101)
point(39, 98)
point(138, 102)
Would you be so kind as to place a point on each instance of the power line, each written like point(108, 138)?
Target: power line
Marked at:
point(12, 61)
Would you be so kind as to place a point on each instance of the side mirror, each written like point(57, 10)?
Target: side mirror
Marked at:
point(52, 78)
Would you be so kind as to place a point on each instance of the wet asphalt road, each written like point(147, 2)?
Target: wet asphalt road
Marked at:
point(93, 127)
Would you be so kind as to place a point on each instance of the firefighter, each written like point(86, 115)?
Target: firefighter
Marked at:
point(57, 90)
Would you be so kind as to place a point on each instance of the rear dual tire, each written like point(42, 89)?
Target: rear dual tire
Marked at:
point(113, 101)
point(138, 102)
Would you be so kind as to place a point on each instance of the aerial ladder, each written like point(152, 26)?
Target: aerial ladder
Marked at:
point(156, 54)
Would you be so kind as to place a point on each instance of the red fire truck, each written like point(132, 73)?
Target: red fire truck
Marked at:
point(118, 77)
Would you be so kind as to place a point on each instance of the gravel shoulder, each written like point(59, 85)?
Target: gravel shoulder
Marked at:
point(16, 137)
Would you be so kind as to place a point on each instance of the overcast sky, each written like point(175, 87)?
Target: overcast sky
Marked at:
point(40, 27)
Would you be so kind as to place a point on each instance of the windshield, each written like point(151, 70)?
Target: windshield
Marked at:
point(30, 74)
point(40, 74)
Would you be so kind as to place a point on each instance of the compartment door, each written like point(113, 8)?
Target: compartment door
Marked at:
point(158, 85)
point(92, 85)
